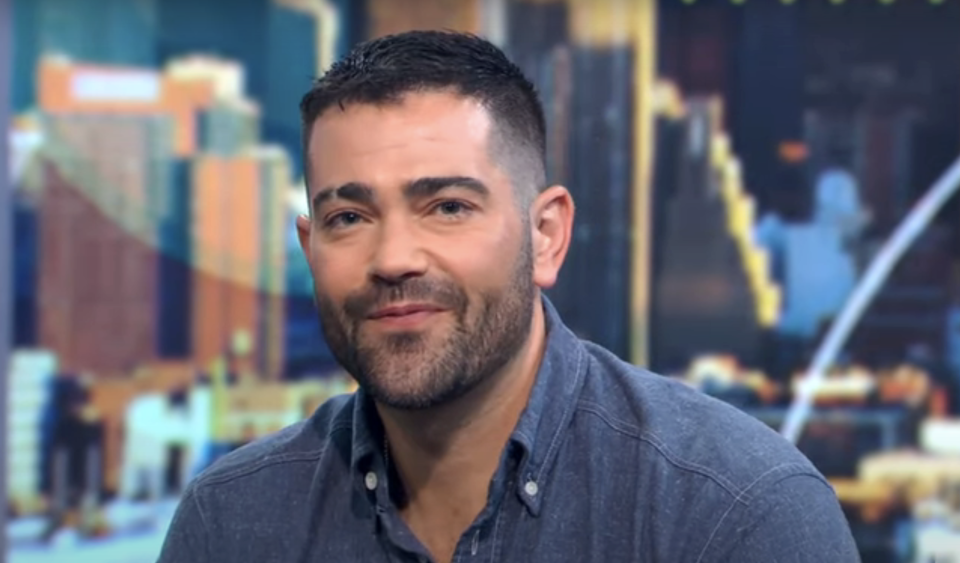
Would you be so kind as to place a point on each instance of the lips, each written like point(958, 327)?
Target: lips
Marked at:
point(397, 311)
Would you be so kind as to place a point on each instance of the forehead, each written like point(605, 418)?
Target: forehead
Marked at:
point(423, 135)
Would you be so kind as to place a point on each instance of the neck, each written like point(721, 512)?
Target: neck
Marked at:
point(446, 456)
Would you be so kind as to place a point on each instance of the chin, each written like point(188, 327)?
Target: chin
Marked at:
point(406, 401)
point(422, 396)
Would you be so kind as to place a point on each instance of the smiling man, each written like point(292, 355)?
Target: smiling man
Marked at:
point(483, 429)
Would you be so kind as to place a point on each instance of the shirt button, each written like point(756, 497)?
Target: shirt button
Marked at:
point(370, 480)
point(531, 488)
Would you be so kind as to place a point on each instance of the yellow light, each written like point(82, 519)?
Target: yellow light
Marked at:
point(886, 1)
point(739, 1)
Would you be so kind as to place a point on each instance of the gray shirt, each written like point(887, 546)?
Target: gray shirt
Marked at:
point(608, 463)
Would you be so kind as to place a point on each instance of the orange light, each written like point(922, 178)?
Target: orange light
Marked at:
point(793, 151)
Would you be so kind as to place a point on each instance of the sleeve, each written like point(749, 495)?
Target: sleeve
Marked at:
point(797, 519)
point(186, 539)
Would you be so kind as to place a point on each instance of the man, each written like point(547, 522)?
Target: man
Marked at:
point(483, 430)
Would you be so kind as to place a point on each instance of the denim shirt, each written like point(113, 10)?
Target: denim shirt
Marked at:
point(608, 463)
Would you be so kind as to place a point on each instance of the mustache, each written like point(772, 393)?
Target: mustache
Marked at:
point(379, 295)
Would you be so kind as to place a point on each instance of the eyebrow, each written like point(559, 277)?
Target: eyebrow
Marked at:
point(351, 191)
point(421, 188)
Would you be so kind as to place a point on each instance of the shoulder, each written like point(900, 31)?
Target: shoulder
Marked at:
point(241, 506)
point(304, 442)
point(690, 434)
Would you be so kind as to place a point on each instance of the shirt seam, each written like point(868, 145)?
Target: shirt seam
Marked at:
point(239, 473)
point(204, 528)
point(633, 432)
point(733, 504)
point(637, 434)
point(289, 457)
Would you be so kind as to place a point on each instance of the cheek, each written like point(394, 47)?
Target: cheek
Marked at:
point(481, 265)
point(337, 274)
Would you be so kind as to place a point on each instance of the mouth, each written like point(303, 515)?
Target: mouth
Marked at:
point(406, 314)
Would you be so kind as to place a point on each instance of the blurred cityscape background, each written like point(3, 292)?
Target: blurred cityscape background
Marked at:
point(736, 166)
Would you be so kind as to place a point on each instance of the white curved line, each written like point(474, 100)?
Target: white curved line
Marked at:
point(907, 232)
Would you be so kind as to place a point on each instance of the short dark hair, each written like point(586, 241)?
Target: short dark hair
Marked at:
point(383, 70)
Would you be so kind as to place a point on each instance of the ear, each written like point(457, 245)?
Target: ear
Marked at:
point(551, 216)
point(303, 234)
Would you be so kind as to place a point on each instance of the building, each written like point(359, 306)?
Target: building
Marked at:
point(238, 217)
point(250, 411)
point(113, 400)
point(593, 295)
point(24, 270)
point(538, 40)
point(165, 439)
point(239, 209)
point(142, 233)
point(281, 44)
point(98, 268)
point(877, 146)
point(912, 308)
point(278, 44)
point(597, 147)
point(112, 32)
point(29, 393)
point(385, 17)
point(25, 140)
point(108, 147)
point(713, 291)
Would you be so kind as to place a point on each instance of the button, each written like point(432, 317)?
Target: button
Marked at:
point(531, 488)
point(370, 480)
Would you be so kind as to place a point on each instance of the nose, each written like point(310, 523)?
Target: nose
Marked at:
point(399, 254)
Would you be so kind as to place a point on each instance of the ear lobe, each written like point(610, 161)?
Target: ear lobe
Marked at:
point(552, 224)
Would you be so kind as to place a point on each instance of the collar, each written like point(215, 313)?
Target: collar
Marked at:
point(539, 431)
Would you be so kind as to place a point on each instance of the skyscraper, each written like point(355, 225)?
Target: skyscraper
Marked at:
point(712, 291)
point(151, 217)
point(98, 263)
point(117, 32)
point(25, 139)
point(106, 156)
point(274, 43)
point(238, 213)
point(591, 63)
point(594, 293)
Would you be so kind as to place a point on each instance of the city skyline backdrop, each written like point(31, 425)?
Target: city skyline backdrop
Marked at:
point(735, 167)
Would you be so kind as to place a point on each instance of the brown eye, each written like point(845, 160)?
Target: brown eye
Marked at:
point(451, 208)
point(344, 219)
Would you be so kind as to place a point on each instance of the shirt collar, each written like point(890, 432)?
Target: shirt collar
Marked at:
point(541, 426)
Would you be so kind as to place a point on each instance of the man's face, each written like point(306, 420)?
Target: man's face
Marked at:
point(421, 256)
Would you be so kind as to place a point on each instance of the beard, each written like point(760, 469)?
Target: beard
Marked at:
point(417, 370)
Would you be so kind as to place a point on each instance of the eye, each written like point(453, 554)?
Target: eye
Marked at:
point(451, 208)
point(343, 219)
